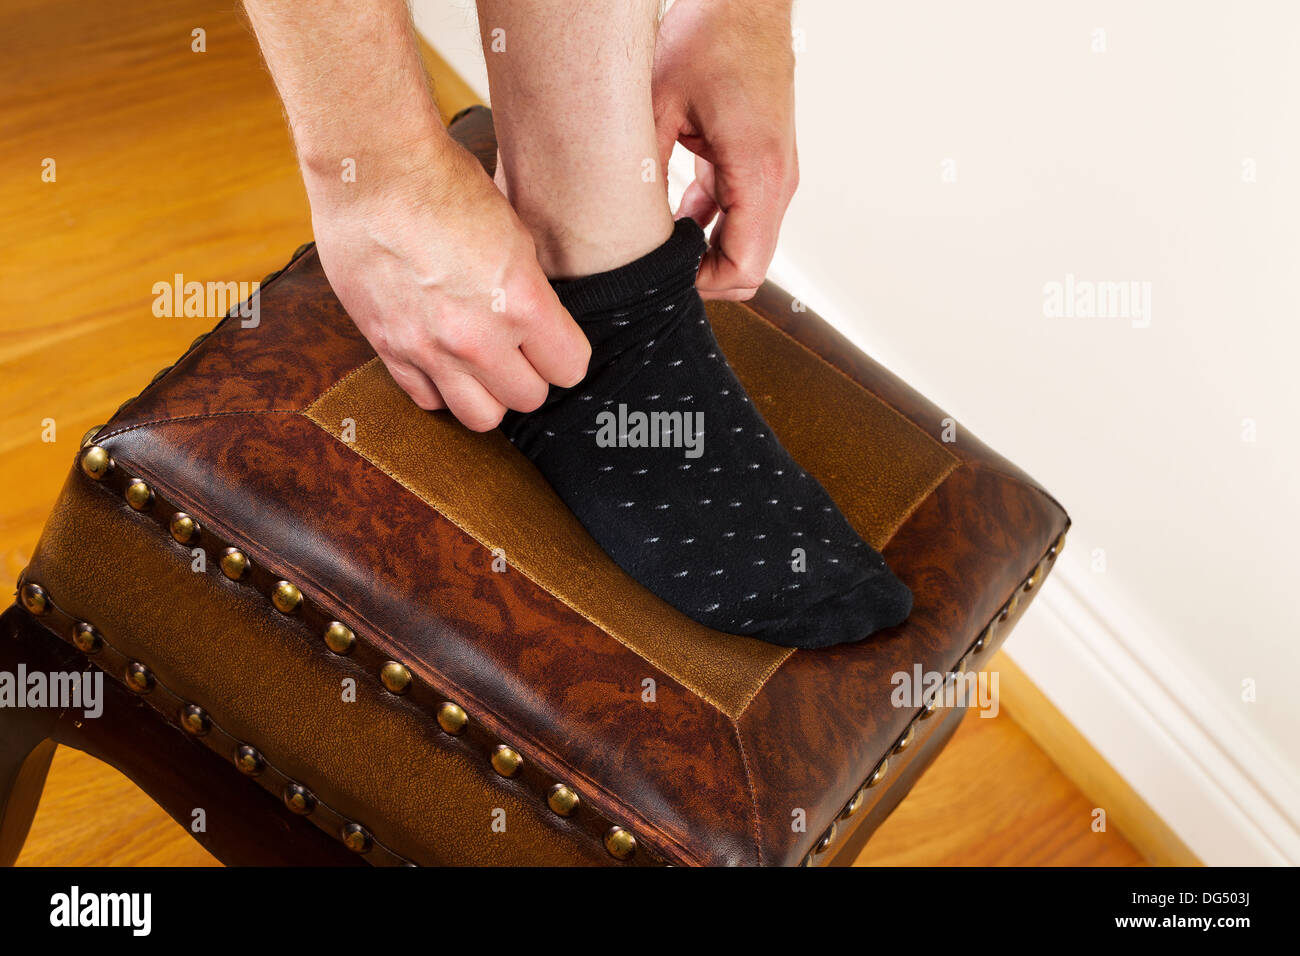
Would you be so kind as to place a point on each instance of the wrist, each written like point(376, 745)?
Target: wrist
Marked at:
point(350, 165)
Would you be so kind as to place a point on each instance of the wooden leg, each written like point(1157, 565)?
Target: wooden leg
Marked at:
point(25, 756)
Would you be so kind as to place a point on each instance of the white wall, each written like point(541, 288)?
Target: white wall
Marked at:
point(1122, 165)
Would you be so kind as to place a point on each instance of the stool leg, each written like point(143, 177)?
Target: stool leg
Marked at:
point(25, 755)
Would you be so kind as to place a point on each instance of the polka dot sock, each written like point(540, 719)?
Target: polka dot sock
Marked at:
point(665, 461)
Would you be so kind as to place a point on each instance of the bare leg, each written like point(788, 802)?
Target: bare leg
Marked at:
point(574, 120)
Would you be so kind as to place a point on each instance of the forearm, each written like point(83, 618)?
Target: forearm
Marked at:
point(353, 87)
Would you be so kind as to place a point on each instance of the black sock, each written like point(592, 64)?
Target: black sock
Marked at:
point(723, 525)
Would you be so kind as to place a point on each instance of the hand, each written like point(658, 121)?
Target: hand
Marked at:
point(724, 88)
point(442, 279)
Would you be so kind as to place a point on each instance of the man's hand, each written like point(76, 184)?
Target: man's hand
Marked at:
point(724, 88)
point(424, 252)
point(442, 278)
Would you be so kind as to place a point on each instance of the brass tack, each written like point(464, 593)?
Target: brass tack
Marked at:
point(395, 677)
point(854, 804)
point(299, 799)
point(96, 462)
point(506, 761)
point(452, 719)
point(286, 597)
point(86, 638)
point(139, 678)
point(962, 664)
point(1058, 546)
point(906, 740)
point(932, 707)
point(85, 439)
point(620, 843)
point(339, 638)
point(184, 528)
point(35, 599)
point(248, 760)
point(878, 774)
point(562, 800)
point(356, 838)
point(195, 720)
point(824, 843)
point(1010, 607)
point(234, 564)
point(138, 494)
point(985, 639)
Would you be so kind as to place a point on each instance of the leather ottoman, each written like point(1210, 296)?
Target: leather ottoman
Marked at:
point(352, 631)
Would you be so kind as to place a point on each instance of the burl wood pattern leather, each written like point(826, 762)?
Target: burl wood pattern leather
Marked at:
point(244, 433)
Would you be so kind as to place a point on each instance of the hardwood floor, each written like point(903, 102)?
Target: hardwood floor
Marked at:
point(170, 161)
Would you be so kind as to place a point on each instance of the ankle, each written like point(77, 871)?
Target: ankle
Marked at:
point(570, 250)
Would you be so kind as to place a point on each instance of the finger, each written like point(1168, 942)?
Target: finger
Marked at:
point(513, 381)
point(469, 401)
point(697, 204)
point(416, 384)
point(555, 345)
point(740, 250)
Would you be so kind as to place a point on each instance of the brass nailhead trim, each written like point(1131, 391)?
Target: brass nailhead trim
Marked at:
point(91, 433)
point(35, 599)
point(452, 719)
point(96, 462)
point(356, 837)
point(286, 597)
point(982, 642)
point(299, 799)
point(562, 800)
point(620, 843)
point(87, 639)
point(138, 494)
point(506, 761)
point(340, 638)
point(248, 760)
point(395, 677)
point(183, 528)
point(234, 564)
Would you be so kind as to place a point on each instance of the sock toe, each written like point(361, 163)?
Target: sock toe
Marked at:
point(878, 602)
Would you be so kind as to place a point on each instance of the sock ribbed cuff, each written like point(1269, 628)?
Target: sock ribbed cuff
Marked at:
point(603, 292)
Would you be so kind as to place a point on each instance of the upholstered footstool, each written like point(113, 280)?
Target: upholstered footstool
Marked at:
point(352, 631)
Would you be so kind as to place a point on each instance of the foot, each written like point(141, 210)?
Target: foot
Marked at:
point(666, 462)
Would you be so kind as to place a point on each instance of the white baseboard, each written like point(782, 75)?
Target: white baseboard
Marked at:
point(1231, 801)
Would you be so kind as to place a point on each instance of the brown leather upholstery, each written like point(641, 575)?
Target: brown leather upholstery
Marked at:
point(290, 442)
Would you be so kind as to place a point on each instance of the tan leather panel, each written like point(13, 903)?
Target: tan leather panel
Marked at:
point(503, 502)
point(483, 485)
point(876, 464)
